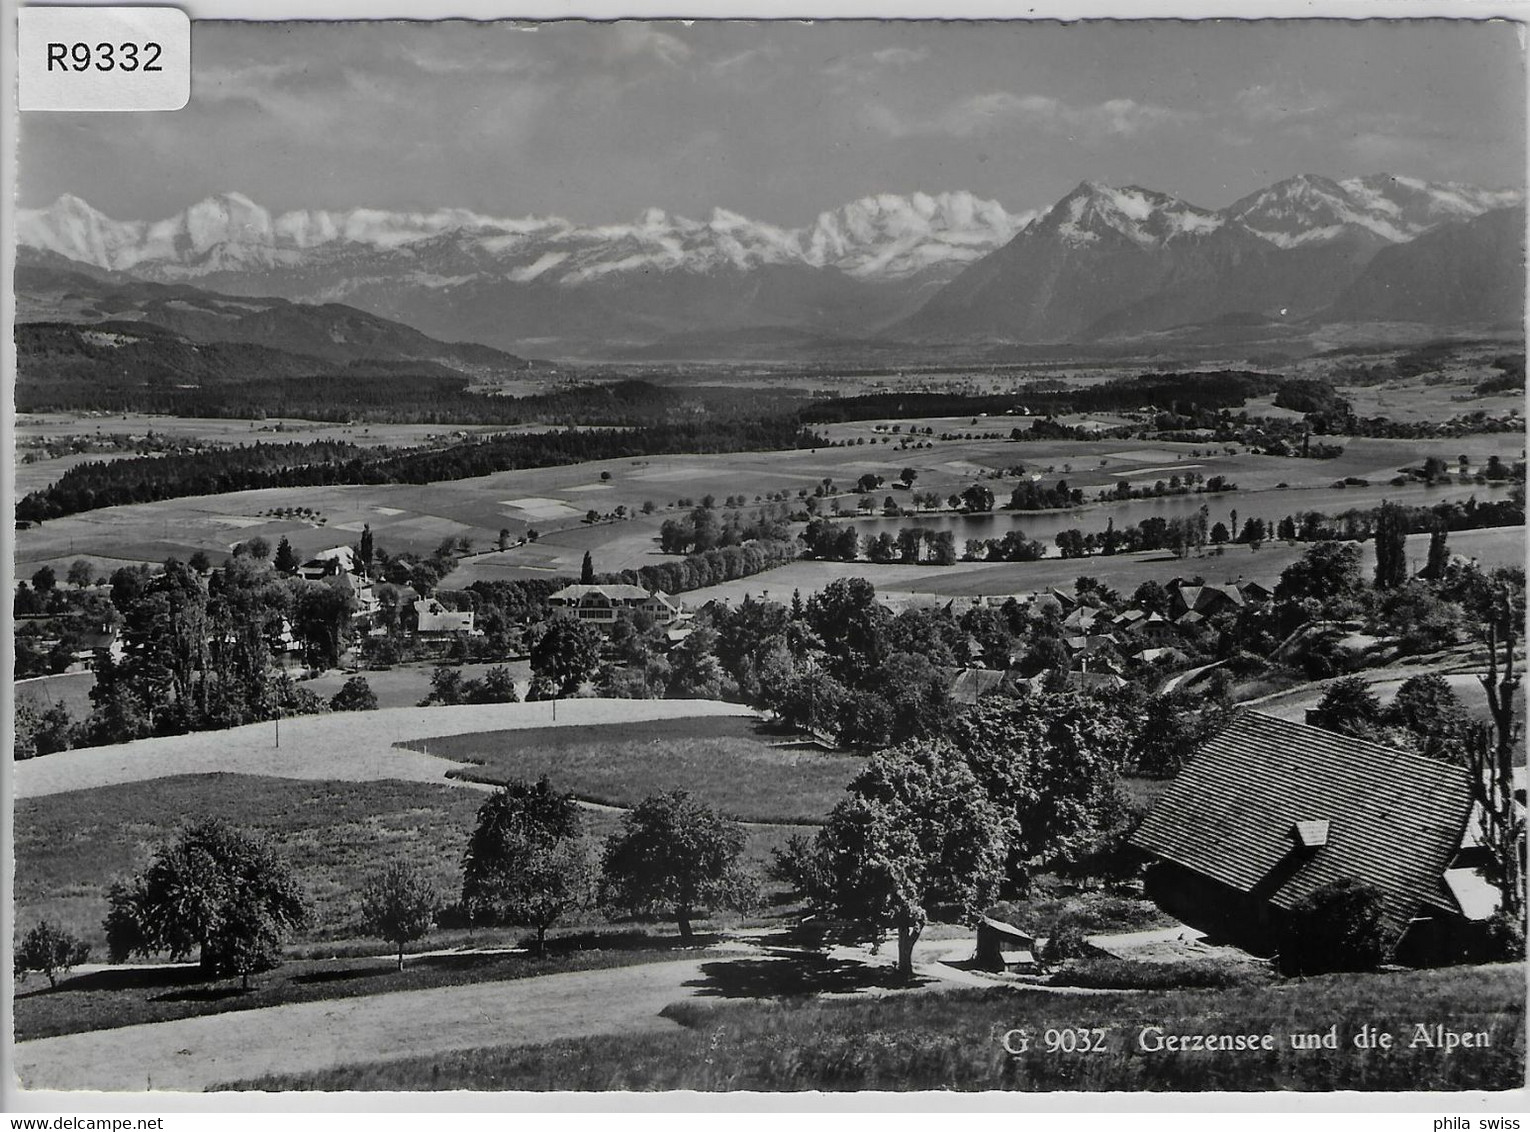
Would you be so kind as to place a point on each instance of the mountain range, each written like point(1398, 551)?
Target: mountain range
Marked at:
point(1103, 264)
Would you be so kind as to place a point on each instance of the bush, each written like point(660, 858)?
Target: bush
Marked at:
point(1504, 938)
point(1065, 942)
point(50, 949)
point(1340, 927)
point(354, 695)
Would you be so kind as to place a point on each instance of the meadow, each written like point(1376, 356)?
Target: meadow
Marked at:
point(952, 1040)
point(731, 763)
point(70, 847)
point(554, 501)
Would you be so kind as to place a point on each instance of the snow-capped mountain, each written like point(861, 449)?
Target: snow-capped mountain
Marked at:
point(1309, 209)
point(875, 238)
point(1102, 262)
point(1109, 262)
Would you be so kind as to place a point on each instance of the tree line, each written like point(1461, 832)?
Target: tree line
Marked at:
point(103, 484)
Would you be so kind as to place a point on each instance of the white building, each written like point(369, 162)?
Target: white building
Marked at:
point(600, 605)
point(433, 617)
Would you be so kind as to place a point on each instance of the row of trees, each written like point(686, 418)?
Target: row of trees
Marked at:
point(226, 896)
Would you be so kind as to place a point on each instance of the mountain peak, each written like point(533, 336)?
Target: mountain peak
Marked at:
point(1095, 210)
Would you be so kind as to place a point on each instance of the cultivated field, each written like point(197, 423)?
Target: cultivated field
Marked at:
point(554, 500)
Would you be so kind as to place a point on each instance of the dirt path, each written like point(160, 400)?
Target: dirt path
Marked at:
point(191, 1054)
point(348, 746)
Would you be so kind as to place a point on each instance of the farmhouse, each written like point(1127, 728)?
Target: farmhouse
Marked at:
point(600, 605)
point(335, 560)
point(1270, 811)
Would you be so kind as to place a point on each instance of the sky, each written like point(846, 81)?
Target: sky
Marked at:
point(781, 121)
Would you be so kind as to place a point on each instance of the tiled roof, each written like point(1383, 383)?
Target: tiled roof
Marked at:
point(1394, 819)
point(614, 591)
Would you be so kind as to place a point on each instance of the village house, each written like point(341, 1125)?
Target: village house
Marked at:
point(432, 618)
point(327, 563)
point(1153, 631)
point(1269, 811)
point(599, 605)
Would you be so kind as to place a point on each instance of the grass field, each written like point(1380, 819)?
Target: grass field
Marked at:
point(730, 763)
point(344, 746)
point(553, 500)
point(71, 847)
point(106, 999)
point(952, 1041)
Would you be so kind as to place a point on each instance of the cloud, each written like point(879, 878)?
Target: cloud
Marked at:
point(864, 67)
point(984, 114)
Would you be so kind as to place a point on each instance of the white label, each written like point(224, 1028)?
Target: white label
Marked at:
point(103, 58)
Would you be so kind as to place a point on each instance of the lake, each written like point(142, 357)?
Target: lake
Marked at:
point(1271, 505)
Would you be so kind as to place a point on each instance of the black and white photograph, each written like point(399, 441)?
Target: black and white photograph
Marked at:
point(775, 557)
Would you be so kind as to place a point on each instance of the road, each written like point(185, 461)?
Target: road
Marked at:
point(192, 1054)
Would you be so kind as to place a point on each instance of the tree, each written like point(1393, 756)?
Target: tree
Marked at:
point(1439, 556)
point(44, 579)
point(354, 695)
point(850, 621)
point(1391, 547)
point(51, 950)
point(1349, 707)
point(258, 548)
point(675, 854)
point(81, 573)
point(566, 654)
point(694, 669)
point(1498, 603)
point(1151, 597)
point(215, 890)
point(399, 904)
point(587, 570)
point(366, 549)
point(1219, 533)
point(322, 620)
point(445, 687)
point(526, 860)
point(916, 835)
point(1427, 706)
point(286, 560)
point(1052, 765)
point(1327, 571)
point(1339, 927)
point(496, 687)
point(978, 497)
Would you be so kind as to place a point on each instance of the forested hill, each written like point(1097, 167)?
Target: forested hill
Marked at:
point(330, 332)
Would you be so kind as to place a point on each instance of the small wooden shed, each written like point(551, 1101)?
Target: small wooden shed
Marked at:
point(1002, 946)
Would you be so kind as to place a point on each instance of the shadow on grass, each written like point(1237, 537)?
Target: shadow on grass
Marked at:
point(321, 977)
point(792, 973)
point(622, 941)
point(135, 978)
point(203, 994)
